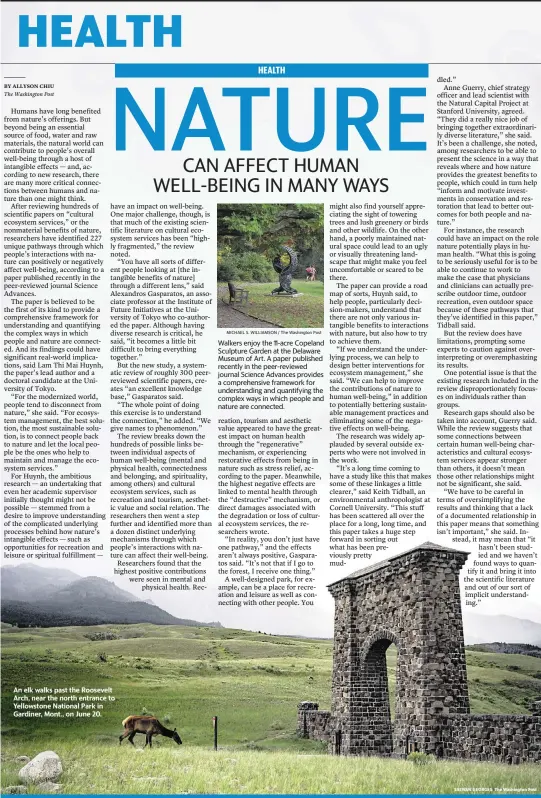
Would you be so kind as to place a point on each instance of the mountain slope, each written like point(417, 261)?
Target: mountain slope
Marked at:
point(58, 613)
point(92, 588)
point(509, 648)
point(500, 628)
point(36, 596)
point(29, 581)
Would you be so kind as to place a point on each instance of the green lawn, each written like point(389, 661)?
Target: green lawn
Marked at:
point(252, 682)
point(302, 311)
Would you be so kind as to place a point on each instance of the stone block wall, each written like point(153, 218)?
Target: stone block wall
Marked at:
point(313, 724)
point(511, 739)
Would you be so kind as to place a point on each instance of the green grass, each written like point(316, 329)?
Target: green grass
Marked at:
point(100, 768)
point(302, 311)
point(253, 682)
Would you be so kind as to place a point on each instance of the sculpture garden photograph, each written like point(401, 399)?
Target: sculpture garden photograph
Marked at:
point(270, 265)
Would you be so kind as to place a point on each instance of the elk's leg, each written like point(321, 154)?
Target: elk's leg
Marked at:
point(123, 736)
point(150, 740)
point(130, 738)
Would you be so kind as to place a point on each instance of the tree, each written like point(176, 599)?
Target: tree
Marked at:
point(265, 228)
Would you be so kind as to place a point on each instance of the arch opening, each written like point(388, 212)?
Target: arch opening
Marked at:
point(391, 658)
point(376, 687)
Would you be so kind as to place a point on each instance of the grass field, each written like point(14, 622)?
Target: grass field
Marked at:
point(98, 768)
point(303, 311)
point(252, 682)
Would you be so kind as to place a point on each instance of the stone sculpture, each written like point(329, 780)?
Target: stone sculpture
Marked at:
point(285, 273)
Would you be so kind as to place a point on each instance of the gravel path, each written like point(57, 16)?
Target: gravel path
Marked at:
point(228, 317)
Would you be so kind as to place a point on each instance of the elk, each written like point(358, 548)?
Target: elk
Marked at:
point(148, 725)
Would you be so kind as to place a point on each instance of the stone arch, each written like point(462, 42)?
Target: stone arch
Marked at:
point(380, 634)
point(375, 680)
point(413, 601)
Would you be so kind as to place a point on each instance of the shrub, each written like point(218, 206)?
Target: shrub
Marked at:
point(101, 636)
point(247, 266)
point(227, 270)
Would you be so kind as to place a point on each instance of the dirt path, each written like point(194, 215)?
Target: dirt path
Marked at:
point(230, 318)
